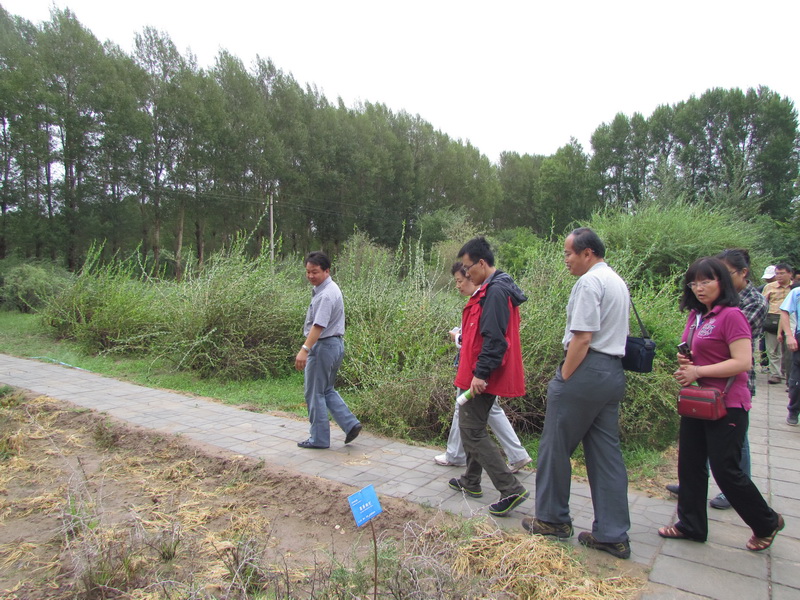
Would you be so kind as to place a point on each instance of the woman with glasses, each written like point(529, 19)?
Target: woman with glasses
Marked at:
point(720, 348)
point(754, 307)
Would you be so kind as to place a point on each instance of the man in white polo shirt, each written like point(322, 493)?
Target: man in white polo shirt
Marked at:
point(583, 404)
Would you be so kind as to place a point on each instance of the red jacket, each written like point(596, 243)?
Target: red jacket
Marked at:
point(490, 347)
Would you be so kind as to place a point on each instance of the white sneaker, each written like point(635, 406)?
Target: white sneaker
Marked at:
point(516, 466)
point(441, 459)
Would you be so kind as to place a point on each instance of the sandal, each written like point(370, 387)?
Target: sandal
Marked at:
point(757, 544)
point(673, 533)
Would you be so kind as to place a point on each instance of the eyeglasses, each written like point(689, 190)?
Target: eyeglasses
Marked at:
point(468, 267)
point(701, 284)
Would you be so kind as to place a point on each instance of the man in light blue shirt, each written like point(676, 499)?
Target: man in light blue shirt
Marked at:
point(321, 356)
point(791, 306)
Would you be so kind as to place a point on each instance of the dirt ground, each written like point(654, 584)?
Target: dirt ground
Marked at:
point(91, 508)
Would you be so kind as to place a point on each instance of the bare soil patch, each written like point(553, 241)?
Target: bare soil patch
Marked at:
point(92, 508)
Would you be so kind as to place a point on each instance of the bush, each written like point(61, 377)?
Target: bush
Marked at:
point(26, 287)
point(110, 307)
point(241, 318)
point(398, 350)
point(650, 250)
point(664, 238)
point(238, 318)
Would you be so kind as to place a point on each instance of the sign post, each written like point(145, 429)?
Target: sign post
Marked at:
point(366, 506)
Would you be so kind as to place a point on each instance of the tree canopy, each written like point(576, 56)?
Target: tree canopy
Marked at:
point(150, 151)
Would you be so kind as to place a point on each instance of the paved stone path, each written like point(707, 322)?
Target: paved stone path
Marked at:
point(719, 569)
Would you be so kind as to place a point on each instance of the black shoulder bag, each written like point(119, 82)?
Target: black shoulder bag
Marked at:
point(639, 351)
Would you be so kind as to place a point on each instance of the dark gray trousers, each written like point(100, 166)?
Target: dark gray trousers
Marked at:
point(482, 452)
point(794, 382)
point(585, 409)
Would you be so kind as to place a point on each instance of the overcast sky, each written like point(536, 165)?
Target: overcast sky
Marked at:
point(507, 76)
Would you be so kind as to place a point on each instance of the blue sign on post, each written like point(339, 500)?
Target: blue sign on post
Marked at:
point(365, 505)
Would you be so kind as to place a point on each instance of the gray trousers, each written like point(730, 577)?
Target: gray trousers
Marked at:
point(779, 356)
point(323, 363)
point(585, 409)
point(482, 452)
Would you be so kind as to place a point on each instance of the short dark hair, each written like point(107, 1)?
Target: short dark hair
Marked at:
point(708, 267)
point(738, 258)
point(783, 267)
point(458, 267)
point(478, 249)
point(320, 259)
point(583, 238)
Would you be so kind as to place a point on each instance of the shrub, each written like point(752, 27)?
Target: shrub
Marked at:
point(26, 287)
point(109, 307)
point(650, 251)
point(239, 318)
point(398, 350)
point(663, 238)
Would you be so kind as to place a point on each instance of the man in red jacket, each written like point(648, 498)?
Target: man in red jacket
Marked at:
point(490, 365)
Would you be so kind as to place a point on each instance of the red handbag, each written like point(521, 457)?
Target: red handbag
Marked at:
point(703, 402)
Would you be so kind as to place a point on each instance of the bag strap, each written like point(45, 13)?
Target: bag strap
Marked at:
point(728, 386)
point(689, 343)
point(692, 330)
point(641, 325)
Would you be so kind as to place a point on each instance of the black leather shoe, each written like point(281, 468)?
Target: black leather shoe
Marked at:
point(353, 433)
point(307, 444)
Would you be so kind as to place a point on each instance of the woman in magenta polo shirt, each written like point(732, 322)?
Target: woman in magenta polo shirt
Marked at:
point(720, 349)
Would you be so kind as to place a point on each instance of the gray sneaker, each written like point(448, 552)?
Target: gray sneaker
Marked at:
point(791, 419)
point(455, 484)
point(720, 502)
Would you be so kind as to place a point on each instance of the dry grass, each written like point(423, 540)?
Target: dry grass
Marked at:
point(532, 567)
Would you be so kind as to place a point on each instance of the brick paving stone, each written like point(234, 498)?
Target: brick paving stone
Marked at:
point(704, 580)
point(782, 592)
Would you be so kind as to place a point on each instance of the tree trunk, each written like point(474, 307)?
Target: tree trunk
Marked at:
point(199, 241)
point(48, 198)
point(179, 240)
point(156, 229)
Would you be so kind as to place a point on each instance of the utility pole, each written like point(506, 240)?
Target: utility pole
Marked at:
point(271, 231)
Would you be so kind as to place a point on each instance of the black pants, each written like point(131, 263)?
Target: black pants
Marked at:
point(719, 442)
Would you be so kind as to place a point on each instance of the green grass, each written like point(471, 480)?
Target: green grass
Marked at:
point(22, 335)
